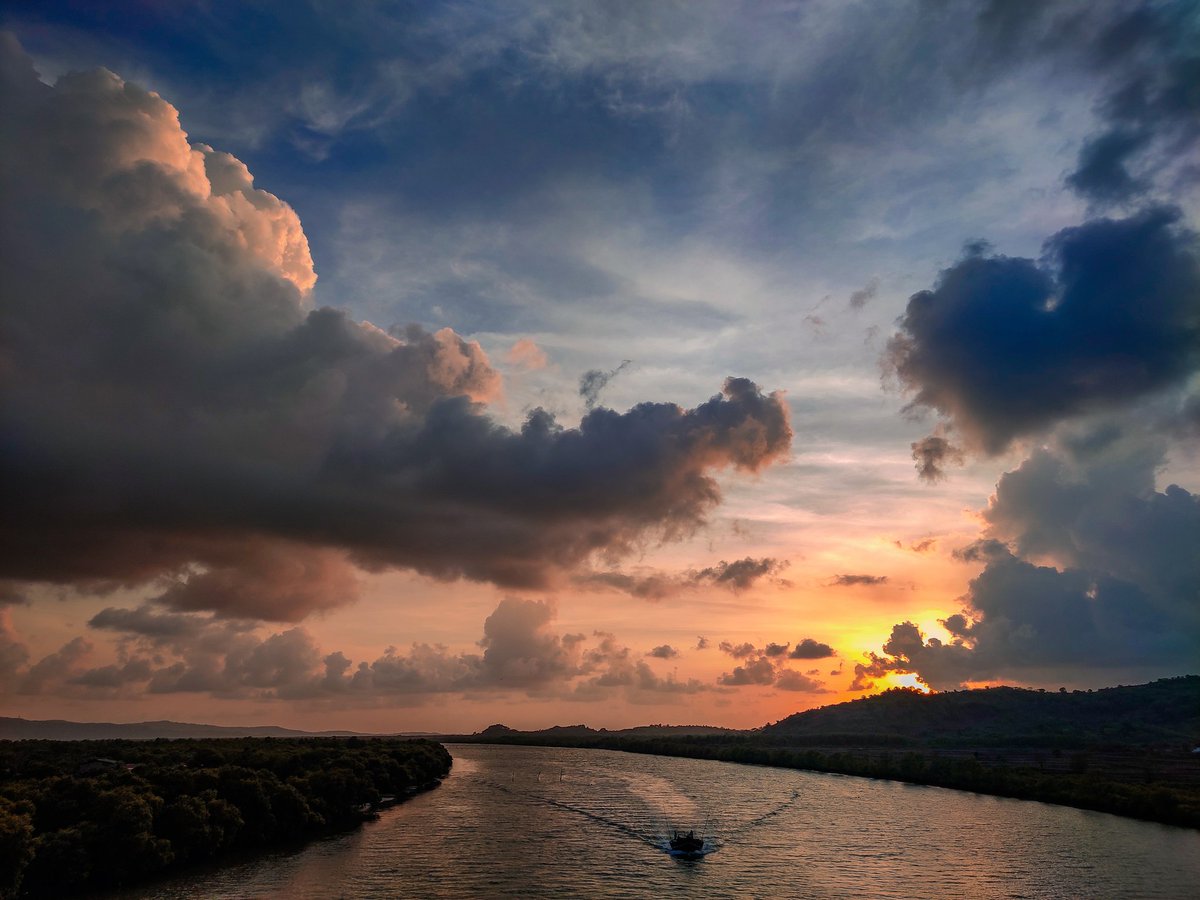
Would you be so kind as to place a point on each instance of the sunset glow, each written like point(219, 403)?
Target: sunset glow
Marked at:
point(418, 369)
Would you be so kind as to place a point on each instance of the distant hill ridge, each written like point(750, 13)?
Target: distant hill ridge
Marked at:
point(17, 729)
point(1167, 710)
point(583, 731)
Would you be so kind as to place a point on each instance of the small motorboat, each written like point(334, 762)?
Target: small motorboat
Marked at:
point(686, 844)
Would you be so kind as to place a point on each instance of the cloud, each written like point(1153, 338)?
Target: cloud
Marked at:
point(652, 586)
point(1086, 566)
point(519, 649)
point(735, 576)
point(179, 410)
point(856, 580)
point(924, 545)
point(755, 671)
point(865, 294)
point(931, 454)
point(767, 667)
point(791, 680)
point(13, 653)
point(527, 355)
point(1004, 347)
point(61, 665)
point(593, 381)
point(810, 649)
point(701, 643)
point(740, 574)
point(1144, 59)
point(162, 652)
point(737, 651)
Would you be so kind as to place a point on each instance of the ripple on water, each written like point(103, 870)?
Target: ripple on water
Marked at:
point(546, 822)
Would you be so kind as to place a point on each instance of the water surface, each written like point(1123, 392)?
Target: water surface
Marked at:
point(550, 822)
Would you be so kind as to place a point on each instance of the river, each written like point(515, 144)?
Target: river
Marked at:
point(551, 822)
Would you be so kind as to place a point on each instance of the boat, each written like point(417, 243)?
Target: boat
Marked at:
point(686, 844)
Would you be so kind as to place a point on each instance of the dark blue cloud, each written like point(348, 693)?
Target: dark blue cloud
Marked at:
point(1005, 347)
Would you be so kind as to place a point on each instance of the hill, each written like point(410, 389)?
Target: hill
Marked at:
point(566, 734)
point(17, 729)
point(1162, 712)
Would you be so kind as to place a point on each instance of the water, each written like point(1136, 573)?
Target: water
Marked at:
point(547, 822)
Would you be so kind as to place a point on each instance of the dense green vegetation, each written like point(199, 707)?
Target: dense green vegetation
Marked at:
point(1162, 712)
point(1123, 750)
point(88, 815)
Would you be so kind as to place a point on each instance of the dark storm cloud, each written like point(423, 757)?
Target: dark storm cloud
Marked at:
point(1101, 174)
point(810, 649)
point(1122, 590)
point(177, 407)
point(856, 580)
point(1005, 347)
point(663, 651)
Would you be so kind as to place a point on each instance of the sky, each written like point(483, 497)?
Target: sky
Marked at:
point(422, 366)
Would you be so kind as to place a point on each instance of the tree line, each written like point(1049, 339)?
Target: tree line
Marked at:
point(90, 815)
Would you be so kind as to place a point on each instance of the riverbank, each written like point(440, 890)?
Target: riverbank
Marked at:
point(1154, 800)
point(84, 816)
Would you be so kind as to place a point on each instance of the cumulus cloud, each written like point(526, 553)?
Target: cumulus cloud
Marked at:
point(759, 670)
point(1085, 565)
point(810, 649)
point(768, 665)
point(164, 652)
point(175, 408)
point(526, 354)
point(1004, 347)
point(791, 680)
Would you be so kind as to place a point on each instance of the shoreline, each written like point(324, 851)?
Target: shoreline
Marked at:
point(1162, 803)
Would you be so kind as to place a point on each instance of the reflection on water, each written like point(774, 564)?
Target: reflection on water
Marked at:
point(538, 822)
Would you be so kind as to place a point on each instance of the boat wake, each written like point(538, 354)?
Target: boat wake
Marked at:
point(760, 820)
point(628, 830)
point(661, 840)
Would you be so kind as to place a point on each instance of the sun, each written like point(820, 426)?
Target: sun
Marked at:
point(907, 680)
